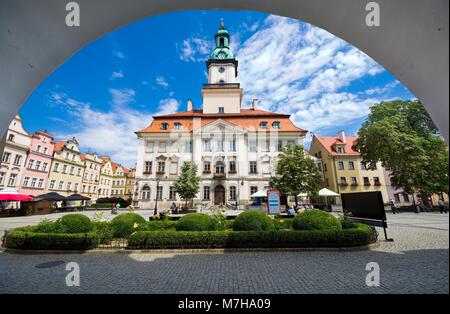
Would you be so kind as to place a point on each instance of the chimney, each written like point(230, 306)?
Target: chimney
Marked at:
point(254, 104)
point(342, 136)
point(189, 105)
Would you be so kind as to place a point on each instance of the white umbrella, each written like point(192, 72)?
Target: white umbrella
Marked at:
point(260, 193)
point(326, 192)
point(303, 195)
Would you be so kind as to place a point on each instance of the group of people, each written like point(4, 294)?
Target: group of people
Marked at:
point(115, 208)
point(298, 208)
point(419, 207)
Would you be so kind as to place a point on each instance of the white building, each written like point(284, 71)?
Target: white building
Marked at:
point(14, 156)
point(235, 149)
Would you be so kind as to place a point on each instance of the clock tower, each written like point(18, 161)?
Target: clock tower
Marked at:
point(222, 93)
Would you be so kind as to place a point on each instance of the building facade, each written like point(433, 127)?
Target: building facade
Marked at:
point(67, 168)
point(343, 168)
point(15, 152)
point(38, 164)
point(236, 149)
point(91, 175)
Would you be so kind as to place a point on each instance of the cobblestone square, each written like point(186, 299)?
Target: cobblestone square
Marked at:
point(416, 262)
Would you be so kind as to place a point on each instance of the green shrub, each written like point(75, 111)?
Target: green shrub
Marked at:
point(75, 223)
point(228, 224)
point(124, 224)
point(104, 231)
point(18, 239)
point(362, 235)
point(253, 220)
point(283, 223)
point(47, 226)
point(348, 223)
point(316, 220)
point(196, 222)
point(154, 225)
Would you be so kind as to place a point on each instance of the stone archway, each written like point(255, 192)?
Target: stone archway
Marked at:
point(412, 41)
point(219, 195)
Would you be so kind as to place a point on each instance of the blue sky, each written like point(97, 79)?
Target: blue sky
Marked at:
point(112, 87)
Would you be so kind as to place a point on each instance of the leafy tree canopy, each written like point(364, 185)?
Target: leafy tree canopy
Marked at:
point(403, 137)
point(296, 172)
point(187, 184)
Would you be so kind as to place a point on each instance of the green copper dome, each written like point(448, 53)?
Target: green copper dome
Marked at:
point(222, 50)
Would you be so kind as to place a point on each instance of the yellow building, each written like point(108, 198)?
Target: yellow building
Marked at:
point(343, 168)
point(91, 176)
point(67, 168)
point(130, 183)
point(106, 178)
point(118, 181)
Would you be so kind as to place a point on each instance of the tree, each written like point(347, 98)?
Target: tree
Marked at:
point(296, 173)
point(187, 183)
point(403, 137)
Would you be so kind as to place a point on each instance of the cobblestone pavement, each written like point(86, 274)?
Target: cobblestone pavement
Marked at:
point(416, 262)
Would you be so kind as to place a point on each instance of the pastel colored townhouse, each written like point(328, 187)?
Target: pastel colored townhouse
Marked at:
point(38, 164)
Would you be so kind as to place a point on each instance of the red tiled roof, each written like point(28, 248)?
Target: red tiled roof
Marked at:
point(248, 119)
point(59, 146)
point(330, 142)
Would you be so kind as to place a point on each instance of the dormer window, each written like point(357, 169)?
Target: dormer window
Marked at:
point(340, 149)
point(164, 126)
point(276, 124)
point(263, 125)
point(177, 126)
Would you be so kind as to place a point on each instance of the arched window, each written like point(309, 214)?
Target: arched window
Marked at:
point(220, 167)
point(232, 193)
point(263, 124)
point(222, 42)
point(177, 126)
point(146, 192)
point(276, 124)
point(164, 126)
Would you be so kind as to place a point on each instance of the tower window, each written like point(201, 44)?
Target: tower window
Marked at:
point(221, 110)
point(222, 42)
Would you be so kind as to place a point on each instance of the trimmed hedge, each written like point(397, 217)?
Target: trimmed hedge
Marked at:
point(154, 225)
point(316, 220)
point(196, 222)
point(283, 223)
point(18, 239)
point(252, 220)
point(104, 231)
point(361, 235)
point(75, 223)
point(124, 224)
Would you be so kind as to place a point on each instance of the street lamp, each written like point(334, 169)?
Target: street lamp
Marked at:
point(156, 198)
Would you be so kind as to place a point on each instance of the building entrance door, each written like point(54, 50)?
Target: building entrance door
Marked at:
point(219, 195)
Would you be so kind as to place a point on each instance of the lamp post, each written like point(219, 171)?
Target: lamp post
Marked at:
point(156, 198)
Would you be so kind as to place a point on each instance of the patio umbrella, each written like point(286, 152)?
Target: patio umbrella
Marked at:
point(9, 194)
point(52, 196)
point(327, 193)
point(259, 193)
point(77, 197)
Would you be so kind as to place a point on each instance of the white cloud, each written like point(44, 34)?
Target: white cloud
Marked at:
point(116, 74)
point(195, 49)
point(161, 81)
point(297, 68)
point(110, 131)
point(119, 54)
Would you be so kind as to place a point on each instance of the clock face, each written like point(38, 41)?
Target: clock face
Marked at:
point(221, 55)
point(221, 69)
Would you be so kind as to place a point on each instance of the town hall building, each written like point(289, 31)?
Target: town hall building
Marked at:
point(235, 148)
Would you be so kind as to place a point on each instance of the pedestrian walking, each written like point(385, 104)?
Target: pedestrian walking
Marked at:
point(442, 206)
point(393, 207)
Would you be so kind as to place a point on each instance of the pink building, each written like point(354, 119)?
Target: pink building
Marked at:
point(37, 166)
